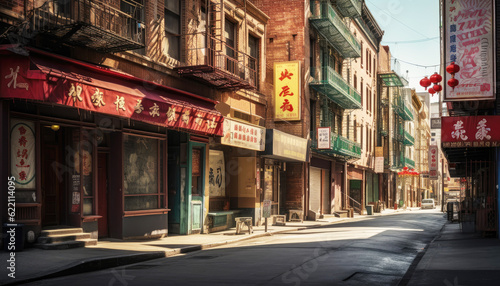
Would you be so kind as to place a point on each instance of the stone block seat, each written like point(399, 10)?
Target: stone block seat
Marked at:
point(243, 221)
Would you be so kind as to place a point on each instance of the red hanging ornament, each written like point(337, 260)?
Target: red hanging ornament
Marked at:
point(431, 91)
point(453, 68)
point(437, 87)
point(425, 82)
point(435, 78)
point(453, 82)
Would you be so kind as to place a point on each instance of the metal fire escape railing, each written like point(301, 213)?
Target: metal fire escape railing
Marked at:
point(91, 23)
point(328, 82)
point(210, 59)
point(339, 146)
point(330, 25)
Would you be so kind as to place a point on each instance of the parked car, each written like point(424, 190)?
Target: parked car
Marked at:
point(428, 204)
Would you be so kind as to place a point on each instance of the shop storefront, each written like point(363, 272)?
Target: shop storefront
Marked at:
point(90, 147)
point(234, 174)
point(320, 191)
point(285, 171)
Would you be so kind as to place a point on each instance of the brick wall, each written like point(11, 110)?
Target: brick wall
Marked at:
point(294, 186)
point(287, 38)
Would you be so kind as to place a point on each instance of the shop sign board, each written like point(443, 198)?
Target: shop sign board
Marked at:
point(243, 135)
point(98, 93)
point(22, 138)
point(468, 41)
point(324, 138)
point(216, 174)
point(470, 131)
point(287, 147)
point(287, 93)
point(433, 162)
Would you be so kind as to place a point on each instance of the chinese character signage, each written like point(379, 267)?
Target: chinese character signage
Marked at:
point(104, 94)
point(324, 138)
point(216, 174)
point(433, 162)
point(468, 42)
point(470, 131)
point(22, 156)
point(243, 135)
point(287, 91)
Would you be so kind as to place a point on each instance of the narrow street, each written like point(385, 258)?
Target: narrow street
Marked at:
point(375, 251)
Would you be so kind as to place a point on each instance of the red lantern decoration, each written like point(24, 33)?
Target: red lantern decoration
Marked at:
point(432, 91)
point(425, 82)
point(437, 87)
point(435, 78)
point(453, 68)
point(453, 82)
point(405, 168)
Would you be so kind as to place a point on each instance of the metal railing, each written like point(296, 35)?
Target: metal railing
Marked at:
point(326, 75)
point(350, 199)
point(54, 15)
point(408, 139)
point(350, 8)
point(339, 145)
point(322, 11)
point(201, 49)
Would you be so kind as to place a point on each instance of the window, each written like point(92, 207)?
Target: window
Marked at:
point(361, 136)
point(361, 91)
point(135, 26)
point(313, 116)
point(367, 98)
point(173, 28)
point(230, 37)
point(312, 55)
point(253, 63)
point(361, 56)
point(355, 82)
point(348, 127)
point(143, 184)
point(374, 65)
point(355, 130)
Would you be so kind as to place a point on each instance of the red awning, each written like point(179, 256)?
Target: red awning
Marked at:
point(54, 79)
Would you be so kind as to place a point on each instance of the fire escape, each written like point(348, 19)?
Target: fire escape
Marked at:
point(91, 23)
point(211, 54)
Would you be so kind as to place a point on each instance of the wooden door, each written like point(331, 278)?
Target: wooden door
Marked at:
point(50, 186)
point(102, 194)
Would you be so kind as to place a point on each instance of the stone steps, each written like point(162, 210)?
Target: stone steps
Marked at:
point(64, 238)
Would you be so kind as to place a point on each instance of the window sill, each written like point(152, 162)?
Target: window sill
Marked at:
point(145, 212)
point(89, 218)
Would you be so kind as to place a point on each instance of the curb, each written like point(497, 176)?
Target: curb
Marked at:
point(413, 266)
point(100, 263)
point(94, 264)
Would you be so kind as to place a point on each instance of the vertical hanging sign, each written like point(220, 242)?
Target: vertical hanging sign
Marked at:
point(433, 162)
point(468, 41)
point(22, 156)
point(287, 94)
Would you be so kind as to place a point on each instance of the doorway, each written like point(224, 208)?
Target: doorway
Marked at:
point(102, 194)
point(51, 179)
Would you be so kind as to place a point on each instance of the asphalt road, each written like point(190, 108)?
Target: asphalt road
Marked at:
point(375, 251)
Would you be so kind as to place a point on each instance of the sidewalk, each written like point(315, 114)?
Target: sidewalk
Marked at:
point(34, 264)
point(456, 258)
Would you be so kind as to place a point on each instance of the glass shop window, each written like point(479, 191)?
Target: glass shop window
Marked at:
point(143, 173)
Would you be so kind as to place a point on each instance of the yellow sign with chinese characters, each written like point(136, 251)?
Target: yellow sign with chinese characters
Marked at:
point(287, 91)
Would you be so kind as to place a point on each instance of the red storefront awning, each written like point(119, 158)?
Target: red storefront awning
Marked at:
point(54, 79)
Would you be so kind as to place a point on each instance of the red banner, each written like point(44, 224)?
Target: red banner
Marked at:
point(70, 85)
point(470, 131)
